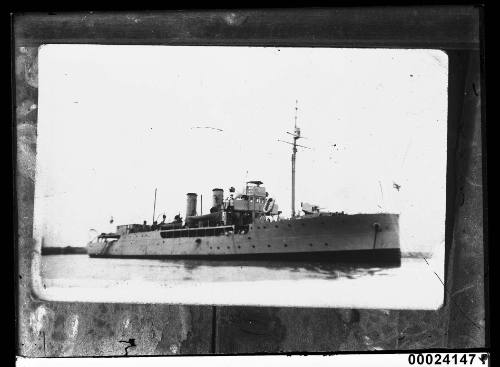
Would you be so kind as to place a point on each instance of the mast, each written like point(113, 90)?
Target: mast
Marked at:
point(154, 209)
point(296, 136)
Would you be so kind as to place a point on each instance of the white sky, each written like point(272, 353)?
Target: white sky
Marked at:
point(114, 122)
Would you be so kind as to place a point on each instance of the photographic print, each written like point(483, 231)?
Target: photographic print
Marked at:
point(228, 182)
point(284, 176)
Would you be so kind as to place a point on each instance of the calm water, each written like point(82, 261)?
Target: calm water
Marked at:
point(413, 284)
point(83, 267)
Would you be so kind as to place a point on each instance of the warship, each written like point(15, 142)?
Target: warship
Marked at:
point(249, 225)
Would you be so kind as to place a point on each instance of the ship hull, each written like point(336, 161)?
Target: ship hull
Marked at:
point(363, 236)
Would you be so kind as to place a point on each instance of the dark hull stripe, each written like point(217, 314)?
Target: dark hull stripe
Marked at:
point(361, 256)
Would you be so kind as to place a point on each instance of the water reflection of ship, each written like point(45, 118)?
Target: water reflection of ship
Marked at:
point(249, 225)
point(309, 269)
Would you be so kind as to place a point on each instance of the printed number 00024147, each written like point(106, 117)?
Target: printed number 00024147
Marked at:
point(447, 359)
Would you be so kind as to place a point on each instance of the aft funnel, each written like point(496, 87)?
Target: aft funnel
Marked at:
point(218, 198)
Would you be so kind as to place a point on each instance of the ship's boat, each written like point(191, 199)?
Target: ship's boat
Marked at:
point(249, 226)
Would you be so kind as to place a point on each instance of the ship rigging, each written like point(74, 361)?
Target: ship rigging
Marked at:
point(296, 136)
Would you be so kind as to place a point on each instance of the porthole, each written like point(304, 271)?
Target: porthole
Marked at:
point(289, 225)
point(253, 246)
point(239, 246)
point(268, 245)
point(218, 248)
point(326, 244)
point(258, 227)
point(249, 238)
point(228, 247)
point(276, 227)
point(285, 245)
point(310, 244)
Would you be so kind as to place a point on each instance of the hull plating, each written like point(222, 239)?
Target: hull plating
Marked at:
point(317, 236)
